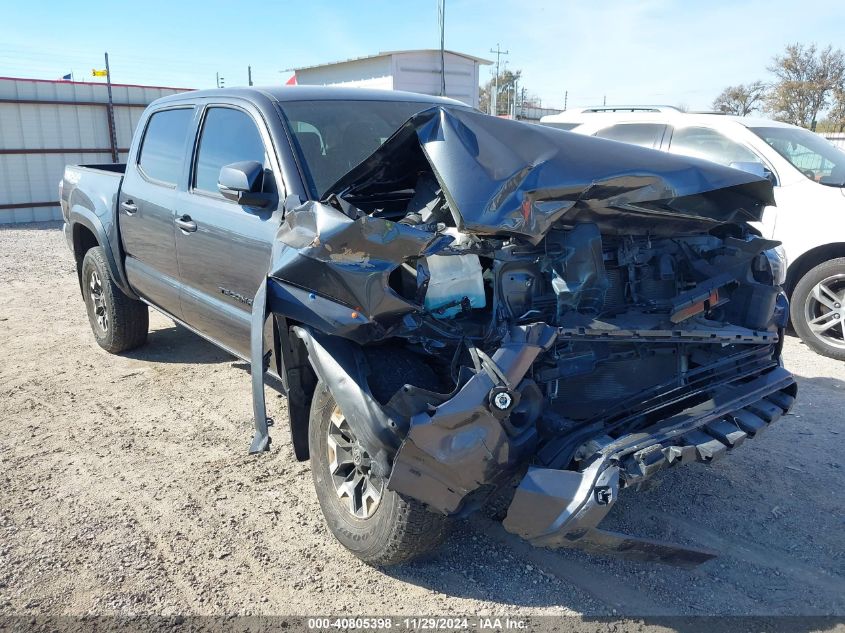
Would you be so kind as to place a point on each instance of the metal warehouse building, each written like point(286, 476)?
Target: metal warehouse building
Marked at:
point(411, 70)
point(47, 124)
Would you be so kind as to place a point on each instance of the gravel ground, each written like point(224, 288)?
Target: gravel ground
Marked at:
point(126, 488)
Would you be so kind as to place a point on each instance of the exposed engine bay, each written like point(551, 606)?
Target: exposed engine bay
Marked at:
point(591, 313)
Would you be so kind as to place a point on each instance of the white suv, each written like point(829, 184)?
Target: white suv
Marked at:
point(809, 178)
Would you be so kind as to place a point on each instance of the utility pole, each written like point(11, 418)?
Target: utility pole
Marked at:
point(249, 74)
point(506, 93)
point(221, 83)
point(217, 79)
point(494, 102)
point(565, 99)
point(604, 101)
point(112, 132)
point(441, 15)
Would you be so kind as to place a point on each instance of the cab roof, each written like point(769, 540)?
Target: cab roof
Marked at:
point(281, 94)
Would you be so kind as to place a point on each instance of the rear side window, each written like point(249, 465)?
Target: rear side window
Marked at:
point(702, 142)
point(642, 134)
point(228, 136)
point(163, 147)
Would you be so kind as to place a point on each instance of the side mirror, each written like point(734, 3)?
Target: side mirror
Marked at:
point(242, 182)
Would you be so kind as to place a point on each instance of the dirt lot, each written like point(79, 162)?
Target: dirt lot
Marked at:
point(125, 487)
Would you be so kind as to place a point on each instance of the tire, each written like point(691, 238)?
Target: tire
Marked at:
point(397, 530)
point(819, 301)
point(118, 322)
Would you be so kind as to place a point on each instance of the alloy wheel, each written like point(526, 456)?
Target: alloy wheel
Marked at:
point(824, 311)
point(98, 300)
point(358, 490)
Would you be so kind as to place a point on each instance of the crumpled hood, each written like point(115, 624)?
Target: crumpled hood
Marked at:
point(503, 176)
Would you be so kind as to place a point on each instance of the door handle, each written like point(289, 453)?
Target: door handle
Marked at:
point(186, 224)
point(129, 206)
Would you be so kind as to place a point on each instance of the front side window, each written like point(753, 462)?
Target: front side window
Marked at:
point(642, 134)
point(701, 142)
point(812, 155)
point(163, 147)
point(228, 136)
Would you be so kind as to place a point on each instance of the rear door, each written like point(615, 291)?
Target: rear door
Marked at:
point(146, 207)
point(223, 247)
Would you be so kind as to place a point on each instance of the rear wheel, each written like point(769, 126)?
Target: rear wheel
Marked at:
point(118, 322)
point(818, 308)
point(378, 525)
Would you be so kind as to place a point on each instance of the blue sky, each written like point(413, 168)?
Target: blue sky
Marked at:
point(649, 51)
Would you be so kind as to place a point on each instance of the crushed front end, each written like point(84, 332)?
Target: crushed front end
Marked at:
point(592, 312)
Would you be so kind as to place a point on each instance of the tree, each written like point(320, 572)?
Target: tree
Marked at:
point(507, 85)
point(742, 99)
point(836, 115)
point(806, 79)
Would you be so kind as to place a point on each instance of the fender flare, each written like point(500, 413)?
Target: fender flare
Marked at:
point(86, 217)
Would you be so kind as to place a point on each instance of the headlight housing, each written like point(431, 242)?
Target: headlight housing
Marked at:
point(773, 261)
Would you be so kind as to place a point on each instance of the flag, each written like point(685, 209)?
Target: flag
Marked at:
point(291, 81)
point(99, 73)
point(67, 77)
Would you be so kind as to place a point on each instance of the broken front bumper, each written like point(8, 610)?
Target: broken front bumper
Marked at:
point(562, 508)
point(459, 452)
point(453, 451)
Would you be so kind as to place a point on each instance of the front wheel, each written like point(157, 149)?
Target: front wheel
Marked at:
point(817, 308)
point(378, 525)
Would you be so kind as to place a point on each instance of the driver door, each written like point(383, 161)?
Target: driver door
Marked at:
point(224, 248)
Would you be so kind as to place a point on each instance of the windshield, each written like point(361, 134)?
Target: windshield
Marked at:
point(332, 137)
point(812, 155)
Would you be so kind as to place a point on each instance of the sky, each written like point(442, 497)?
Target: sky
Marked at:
point(674, 52)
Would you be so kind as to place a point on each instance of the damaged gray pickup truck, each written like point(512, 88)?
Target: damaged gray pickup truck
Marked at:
point(462, 311)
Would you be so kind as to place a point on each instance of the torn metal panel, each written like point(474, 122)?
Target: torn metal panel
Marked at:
point(508, 177)
point(349, 259)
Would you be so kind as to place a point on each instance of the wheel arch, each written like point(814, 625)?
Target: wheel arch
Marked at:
point(809, 260)
point(84, 240)
point(290, 358)
point(87, 231)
